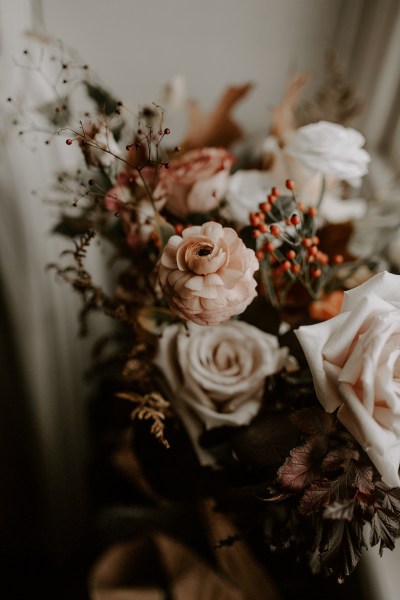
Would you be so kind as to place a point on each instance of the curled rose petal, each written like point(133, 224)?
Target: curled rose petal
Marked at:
point(207, 274)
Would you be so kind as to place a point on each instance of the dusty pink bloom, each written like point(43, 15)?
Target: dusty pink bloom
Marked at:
point(196, 182)
point(207, 274)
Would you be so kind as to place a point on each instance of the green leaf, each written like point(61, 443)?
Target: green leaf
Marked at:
point(246, 235)
point(154, 319)
point(72, 226)
point(165, 229)
point(106, 103)
point(57, 113)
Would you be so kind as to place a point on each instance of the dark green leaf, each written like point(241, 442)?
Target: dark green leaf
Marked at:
point(246, 235)
point(57, 113)
point(72, 226)
point(106, 103)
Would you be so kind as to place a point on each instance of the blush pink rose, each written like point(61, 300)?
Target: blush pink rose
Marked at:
point(355, 362)
point(207, 274)
point(196, 182)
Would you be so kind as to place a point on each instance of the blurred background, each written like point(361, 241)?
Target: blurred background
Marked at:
point(136, 47)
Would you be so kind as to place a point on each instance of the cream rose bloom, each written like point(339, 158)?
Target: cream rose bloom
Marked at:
point(330, 149)
point(216, 375)
point(355, 362)
point(207, 274)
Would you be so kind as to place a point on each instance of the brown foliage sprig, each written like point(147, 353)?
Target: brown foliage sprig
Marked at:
point(336, 100)
point(149, 407)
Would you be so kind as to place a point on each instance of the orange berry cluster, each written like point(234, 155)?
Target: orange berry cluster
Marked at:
point(304, 252)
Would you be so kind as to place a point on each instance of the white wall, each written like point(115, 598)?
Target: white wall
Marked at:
point(138, 45)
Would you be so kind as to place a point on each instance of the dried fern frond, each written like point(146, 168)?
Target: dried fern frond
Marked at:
point(336, 100)
point(150, 407)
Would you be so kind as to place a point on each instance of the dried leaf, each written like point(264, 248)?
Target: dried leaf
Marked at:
point(356, 478)
point(340, 546)
point(283, 115)
point(266, 441)
point(340, 510)
point(385, 528)
point(391, 497)
point(216, 128)
point(339, 458)
point(303, 465)
point(336, 100)
point(314, 421)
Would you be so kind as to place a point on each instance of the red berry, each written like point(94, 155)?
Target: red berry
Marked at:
point(167, 165)
point(312, 211)
point(286, 266)
point(269, 247)
point(313, 251)
point(315, 240)
point(275, 230)
point(167, 131)
point(290, 184)
point(338, 259)
point(295, 268)
point(68, 142)
point(265, 207)
point(263, 228)
point(291, 254)
point(271, 198)
point(295, 219)
point(306, 242)
point(255, 233)
point(260, 255)
point(316, 273)
point(255, 219)
point(275, 191)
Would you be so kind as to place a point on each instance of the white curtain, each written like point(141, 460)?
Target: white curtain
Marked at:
point(44, 422)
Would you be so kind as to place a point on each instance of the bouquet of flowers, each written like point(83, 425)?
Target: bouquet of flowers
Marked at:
point(252, 386)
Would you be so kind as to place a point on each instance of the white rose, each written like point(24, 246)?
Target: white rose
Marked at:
point(246, 190)
point(355, 362)
point(330, 149)
point(217, 374)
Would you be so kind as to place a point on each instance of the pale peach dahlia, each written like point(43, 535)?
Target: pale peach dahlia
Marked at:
point(207, 274)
